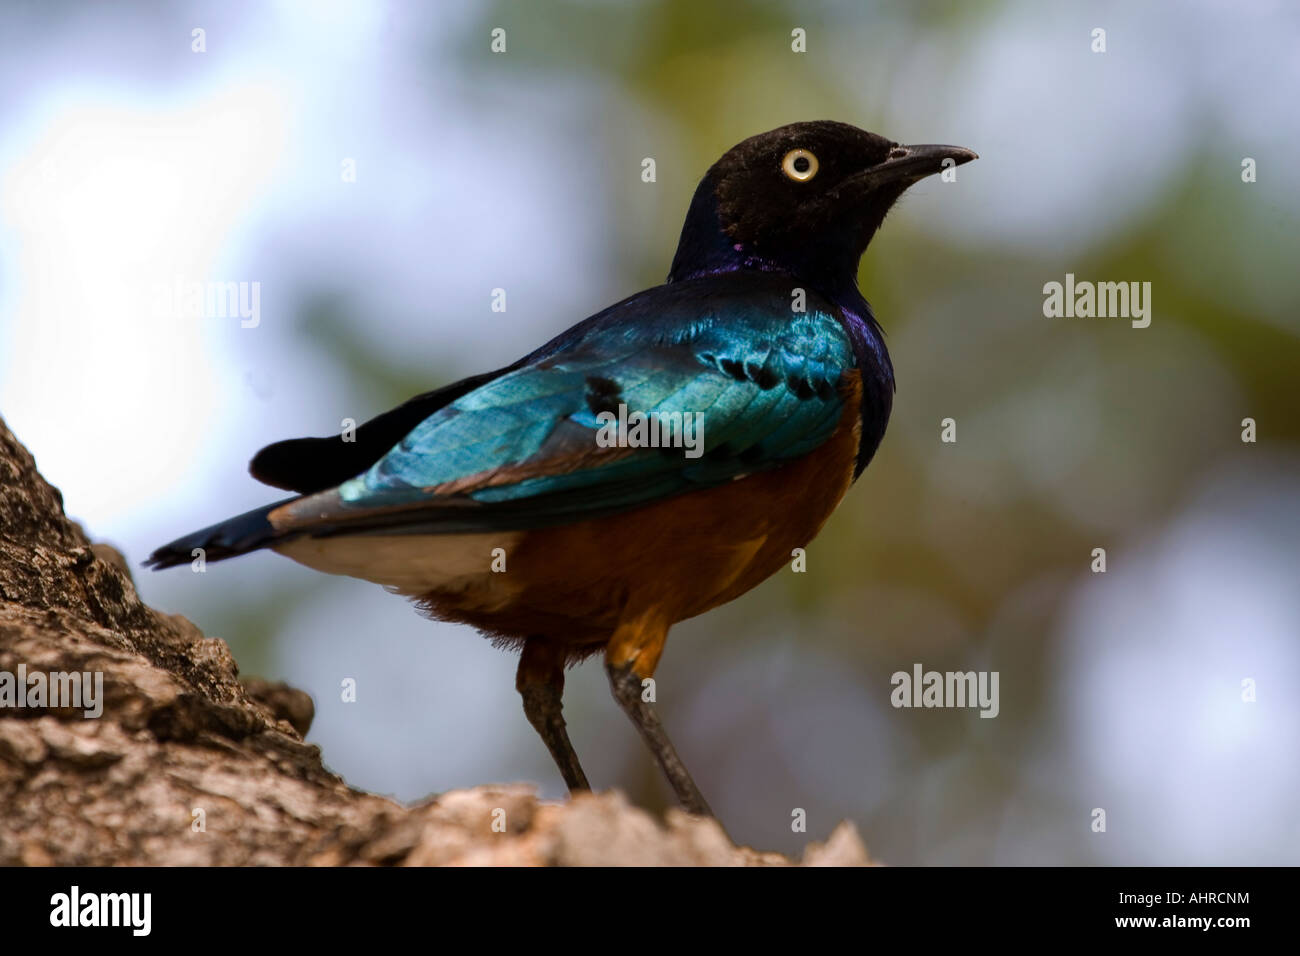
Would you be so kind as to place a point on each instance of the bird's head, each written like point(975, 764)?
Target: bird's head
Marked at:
point(805, 198)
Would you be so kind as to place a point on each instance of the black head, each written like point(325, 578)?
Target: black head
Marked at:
point(805, 199)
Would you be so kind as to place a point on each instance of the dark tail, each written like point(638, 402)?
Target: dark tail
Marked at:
point(234, 536)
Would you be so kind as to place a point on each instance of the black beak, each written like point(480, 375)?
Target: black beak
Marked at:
point(907, 164)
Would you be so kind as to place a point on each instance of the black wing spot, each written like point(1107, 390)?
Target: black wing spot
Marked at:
point(825, 390)
point(752, 455)
point(799, 386)
point(733, 368)
point(762, 376)
point(603, 394)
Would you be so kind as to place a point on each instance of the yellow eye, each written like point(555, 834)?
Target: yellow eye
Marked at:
point(800, 165)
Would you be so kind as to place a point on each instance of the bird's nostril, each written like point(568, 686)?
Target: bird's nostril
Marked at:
point(898, 152)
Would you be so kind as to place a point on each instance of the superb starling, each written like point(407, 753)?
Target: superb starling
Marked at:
point(655, 460)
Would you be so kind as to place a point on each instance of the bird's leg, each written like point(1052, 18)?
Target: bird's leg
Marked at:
point(540, 682)
point(630, 660)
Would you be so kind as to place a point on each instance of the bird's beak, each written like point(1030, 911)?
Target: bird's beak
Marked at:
point(907, 164)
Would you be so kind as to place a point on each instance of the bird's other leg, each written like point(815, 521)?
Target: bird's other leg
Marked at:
point(630, 659)
point(540, 682)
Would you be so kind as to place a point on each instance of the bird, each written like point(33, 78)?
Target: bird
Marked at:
point(654, 461)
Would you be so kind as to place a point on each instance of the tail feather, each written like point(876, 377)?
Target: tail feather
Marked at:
point(250, 531)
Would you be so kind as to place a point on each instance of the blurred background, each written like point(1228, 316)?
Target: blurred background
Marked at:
point(130, 162)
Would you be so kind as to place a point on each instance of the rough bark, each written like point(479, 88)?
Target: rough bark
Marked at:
point(181, 732)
